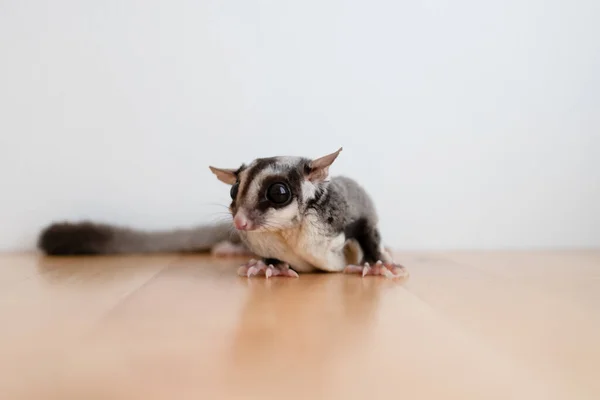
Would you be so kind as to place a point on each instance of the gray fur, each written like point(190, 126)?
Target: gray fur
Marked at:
point(342, 202)
point(315, 228)
point(326, 221)
point(88, 238)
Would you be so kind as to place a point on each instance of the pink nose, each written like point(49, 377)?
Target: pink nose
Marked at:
point(241, 222)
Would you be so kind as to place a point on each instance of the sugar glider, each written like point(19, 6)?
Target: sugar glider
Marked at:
point(285, 210)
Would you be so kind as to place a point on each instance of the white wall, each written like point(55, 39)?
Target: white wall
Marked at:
point(474, 124)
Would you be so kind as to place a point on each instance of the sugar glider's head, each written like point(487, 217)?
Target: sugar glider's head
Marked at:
point(271, 194)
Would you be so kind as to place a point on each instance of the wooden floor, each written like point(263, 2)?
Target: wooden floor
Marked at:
point(464, 326)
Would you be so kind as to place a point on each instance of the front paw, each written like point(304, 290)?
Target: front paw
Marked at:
point(258, 267)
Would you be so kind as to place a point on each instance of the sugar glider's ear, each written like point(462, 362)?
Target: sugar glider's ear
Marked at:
point(228, 176)
point(318, 169)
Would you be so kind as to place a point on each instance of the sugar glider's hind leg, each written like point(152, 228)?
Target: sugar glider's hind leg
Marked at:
point(227, 248)
point(268, 267)
point(387, 269)
point(375, 260)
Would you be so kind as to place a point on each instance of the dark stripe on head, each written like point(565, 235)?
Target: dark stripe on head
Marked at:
point(239, 170)
point(254, 169)
point(237, 183)
point(292, 179)
point(321, 195)
point(257, 178)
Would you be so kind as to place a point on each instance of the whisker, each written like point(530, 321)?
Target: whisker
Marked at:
point(214, 204)
point(220, 217)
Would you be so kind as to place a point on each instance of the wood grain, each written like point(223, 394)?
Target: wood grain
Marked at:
point(470, 325)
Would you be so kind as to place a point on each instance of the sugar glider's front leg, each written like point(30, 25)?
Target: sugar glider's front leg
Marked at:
point(268, 266)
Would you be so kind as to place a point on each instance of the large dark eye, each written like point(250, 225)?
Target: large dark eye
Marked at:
point(278, 193)
point(234, 190)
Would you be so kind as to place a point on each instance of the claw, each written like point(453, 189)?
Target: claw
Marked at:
point(387, 273)
point(365, 270)
point(269, 271)
point(293, 273)
point(245, 270)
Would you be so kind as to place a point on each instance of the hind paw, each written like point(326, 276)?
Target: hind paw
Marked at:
point(254, 268)
point(389, 270)
point(229, 249)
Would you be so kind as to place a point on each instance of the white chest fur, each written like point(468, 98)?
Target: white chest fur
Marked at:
point(305, 247)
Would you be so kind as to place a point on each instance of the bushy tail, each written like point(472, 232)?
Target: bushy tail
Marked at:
point(90, 238)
